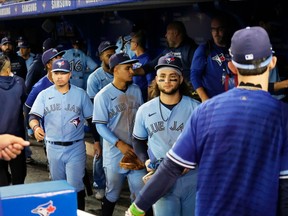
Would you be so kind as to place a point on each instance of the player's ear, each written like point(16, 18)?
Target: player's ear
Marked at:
point(273, 62)
point(232, 67)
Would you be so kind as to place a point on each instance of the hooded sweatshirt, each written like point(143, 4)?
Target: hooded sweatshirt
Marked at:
point(12, 98)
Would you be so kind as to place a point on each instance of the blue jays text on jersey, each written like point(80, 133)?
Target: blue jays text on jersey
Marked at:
point(57, 106)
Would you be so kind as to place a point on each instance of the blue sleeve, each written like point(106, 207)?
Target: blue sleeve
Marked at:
point(160, 183)
point(198, 65)
point(107, 134)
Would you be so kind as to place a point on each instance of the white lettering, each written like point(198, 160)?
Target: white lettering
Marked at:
point(5, 11)
point(60, 3)
point(29, 8)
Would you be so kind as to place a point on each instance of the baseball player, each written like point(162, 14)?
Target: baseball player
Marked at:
point(64, 108)
point(238, 139)
point(115, 107)
point(96, 81)
point(158, 123)
point(80, 64)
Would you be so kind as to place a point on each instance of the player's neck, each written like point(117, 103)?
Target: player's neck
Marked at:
point(120, 85)
point(170, 99)
point(259, 80)
point(63, 89)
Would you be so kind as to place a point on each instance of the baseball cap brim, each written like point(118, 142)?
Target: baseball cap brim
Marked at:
point(61, 70)
point(167, 65)
point(131, 61)
point(109, 47)
point(57, 54)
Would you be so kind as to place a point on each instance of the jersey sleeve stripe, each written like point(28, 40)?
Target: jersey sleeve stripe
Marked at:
point(139, 138)
point(88, 117)
point(36, 114)
point(100, 122)
point(177, 160)
point(27, 106)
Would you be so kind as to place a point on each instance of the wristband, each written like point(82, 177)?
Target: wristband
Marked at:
point(135, 210)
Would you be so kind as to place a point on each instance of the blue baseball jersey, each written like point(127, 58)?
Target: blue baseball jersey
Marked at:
point(160, 125)
point(80, 64)
point(43, 83)
point(97, 80)
point(64, 114)
point(239, 140)
point(116, 109)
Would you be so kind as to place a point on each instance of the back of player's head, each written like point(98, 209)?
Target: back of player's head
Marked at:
point(48, 44)
point(120, 59)
point(61, 65)
point(170, 61)
point(251, 50)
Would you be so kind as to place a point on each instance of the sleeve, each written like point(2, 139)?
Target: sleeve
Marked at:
point(92, 85)
point(140, 147)
point(183, 152)
point(139, 130)
point(31, 97)
point(38, 106)
point(87, 106)
point(283, 198)
point(198, 65)
point(100, 112)
point(107, 134)
point(160, 183)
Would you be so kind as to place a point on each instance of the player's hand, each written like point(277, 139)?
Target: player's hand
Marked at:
point(125, 149)
point(97, 149)
point(39, 134)
point(11, 146)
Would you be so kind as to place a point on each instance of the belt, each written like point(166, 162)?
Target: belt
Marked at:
point(63, 143)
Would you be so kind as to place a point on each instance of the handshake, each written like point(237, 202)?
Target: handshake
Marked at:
point(11, 146)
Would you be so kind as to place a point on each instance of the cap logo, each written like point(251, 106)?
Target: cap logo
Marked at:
point(170, 59)
point(54, 51)
point(249, 57)
point(60, 64)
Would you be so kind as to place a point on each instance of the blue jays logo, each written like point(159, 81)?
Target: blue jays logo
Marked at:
point(60, 63)
point(75, 122)
point(170, 59)
point(45, 209)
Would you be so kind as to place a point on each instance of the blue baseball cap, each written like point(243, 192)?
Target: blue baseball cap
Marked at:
point(120, 59)
point(50, 54)
point(61, 65)
point(6, 40)
point(249, 44)
point(105, 45)
point(169, 60)
point(23, 44)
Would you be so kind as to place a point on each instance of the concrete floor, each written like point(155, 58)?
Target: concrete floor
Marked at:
point(38, 172)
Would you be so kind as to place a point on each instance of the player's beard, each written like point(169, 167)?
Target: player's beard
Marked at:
point(170, 92)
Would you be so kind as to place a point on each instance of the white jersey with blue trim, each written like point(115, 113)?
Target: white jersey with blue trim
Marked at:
point(98, 80)
point(160, 125)
point(116, 109)
point(64, 114)
point(80, 64)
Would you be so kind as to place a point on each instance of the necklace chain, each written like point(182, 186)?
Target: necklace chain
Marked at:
point(165, 120)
